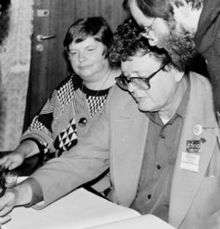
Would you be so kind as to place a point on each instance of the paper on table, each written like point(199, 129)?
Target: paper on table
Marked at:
point(141, 222)
point(80, 209)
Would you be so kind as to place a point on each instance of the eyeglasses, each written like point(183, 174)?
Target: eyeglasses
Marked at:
point(123, 81)
point(148, 28)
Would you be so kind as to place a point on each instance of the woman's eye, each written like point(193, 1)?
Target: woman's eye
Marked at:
point(90, 49)
point(72, 53)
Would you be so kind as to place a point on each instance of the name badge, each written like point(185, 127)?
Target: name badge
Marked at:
point(190, 161)
point(193, 146)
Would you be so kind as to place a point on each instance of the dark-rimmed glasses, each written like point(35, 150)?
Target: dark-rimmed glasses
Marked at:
point(148, 28)
point(123, 81)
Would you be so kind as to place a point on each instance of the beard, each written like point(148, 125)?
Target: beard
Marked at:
point(181, 49)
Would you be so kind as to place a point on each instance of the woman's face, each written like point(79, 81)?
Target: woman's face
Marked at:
point(87, 59)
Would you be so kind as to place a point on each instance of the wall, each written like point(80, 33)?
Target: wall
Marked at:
point(14, 67)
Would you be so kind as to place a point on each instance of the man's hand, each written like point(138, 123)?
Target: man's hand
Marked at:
point(7, 202)
point(17, 196)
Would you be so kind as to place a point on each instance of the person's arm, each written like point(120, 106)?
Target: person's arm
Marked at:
point(26, 149)
point(40, 129)
point(81, 164)
point(35, 139)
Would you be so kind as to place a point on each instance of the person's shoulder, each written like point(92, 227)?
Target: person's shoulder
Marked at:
point(65, 90)
point(117, 93)
point(117, 97)
point(65, 83)
point(198, 77)
point(202, 82)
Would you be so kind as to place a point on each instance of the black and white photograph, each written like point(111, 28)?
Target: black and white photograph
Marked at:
point(109, 114)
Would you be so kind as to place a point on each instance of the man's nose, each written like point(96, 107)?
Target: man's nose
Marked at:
point(131, 87)
point(152, 39)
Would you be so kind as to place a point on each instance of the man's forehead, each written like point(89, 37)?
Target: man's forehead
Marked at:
point(138, 62)
point(138, 15)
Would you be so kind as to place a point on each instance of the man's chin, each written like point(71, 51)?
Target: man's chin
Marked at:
point(144, 108)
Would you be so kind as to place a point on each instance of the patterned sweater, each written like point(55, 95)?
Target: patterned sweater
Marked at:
point(65, 117)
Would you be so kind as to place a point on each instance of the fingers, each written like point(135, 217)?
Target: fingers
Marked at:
point(3, 160)
point(5, 219)
point(13, 165)
point(11, 161)
point(5, 211)
point(6, 205)
point(7, 202)
point(7, 163)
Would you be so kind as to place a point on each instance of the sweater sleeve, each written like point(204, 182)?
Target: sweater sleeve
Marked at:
point(40, 128)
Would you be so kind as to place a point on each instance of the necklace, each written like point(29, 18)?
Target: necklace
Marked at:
point(96, 98)
point(100, 84)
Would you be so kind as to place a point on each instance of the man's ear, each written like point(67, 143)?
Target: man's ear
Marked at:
point(185, 15)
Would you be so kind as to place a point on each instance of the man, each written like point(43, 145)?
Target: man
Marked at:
point(181, 26)
point(160, 143)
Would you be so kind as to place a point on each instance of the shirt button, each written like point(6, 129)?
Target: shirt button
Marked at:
point(149, 196)
point(82, 122)
point(158, 167)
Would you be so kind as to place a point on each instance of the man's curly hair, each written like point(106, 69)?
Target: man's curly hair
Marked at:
point(128, 40)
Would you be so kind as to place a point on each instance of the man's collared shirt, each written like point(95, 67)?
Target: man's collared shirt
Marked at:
point(161, 148)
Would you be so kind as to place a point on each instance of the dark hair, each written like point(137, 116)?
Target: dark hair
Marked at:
point(162, 8)
point(4, 18)
point(83, 28)
point(156, 8)
point(128, 41)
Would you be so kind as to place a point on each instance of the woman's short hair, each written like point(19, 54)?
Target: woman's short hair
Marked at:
point(83, 28)
point(128, 41)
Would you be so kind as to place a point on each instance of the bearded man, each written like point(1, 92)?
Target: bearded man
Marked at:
point(183, 27)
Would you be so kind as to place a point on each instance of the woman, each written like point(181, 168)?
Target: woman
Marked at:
point(78, 100)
